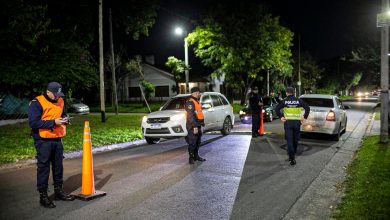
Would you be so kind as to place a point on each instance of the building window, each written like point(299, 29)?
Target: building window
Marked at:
point(134, 92)
point(161, 91)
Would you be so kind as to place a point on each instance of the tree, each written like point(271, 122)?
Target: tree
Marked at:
point(311, 72)
point(147, 88)
point(35, 50)
point(243, 42)
point(178, 67)
point(367, 60)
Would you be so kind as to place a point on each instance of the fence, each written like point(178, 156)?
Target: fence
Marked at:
point(12, 107)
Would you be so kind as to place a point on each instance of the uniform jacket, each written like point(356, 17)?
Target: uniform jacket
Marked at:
point(192, 119)
point(35, 117)
point(292, 102)
point(254, 100)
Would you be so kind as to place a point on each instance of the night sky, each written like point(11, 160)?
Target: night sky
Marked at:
point(327, 29)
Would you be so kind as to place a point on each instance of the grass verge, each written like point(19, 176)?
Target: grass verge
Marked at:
point(133, 108)
point(16, 143)
point(237, 108)
point(367, 194)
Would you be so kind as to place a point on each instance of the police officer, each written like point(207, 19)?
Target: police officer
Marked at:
point(256, 107)
point(195, 120)
point(292, 119)
point(48, 121)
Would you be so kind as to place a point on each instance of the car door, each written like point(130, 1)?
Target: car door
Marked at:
point(208, 112)
point(219, 110)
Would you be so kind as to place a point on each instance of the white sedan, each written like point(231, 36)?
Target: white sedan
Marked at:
point(327, 115)
point(170, 121)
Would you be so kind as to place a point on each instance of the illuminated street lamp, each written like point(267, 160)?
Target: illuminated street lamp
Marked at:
point(180, 31)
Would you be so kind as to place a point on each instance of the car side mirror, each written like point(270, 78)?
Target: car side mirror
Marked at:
point(347, 107)
point(206, 105)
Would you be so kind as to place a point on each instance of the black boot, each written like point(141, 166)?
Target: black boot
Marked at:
point(60, 195)
point(45, 200)
point(191, 160)
point(198, 158)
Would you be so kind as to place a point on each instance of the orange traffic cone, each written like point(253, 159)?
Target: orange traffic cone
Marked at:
point(88, 191)
point(261, 129)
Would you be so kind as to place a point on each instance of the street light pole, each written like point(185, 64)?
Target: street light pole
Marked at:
point(186, 63)
point(267, 82)
point(384, 96)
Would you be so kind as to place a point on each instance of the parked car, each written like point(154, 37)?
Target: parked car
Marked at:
point(170, 120)
point(269, 114)
point(327, 115)
point(78, 107)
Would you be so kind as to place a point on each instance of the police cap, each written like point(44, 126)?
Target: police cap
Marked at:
point(195, 89)
point(290, 90)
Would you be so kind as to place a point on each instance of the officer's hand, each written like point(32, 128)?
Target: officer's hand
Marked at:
point(196, 131)
point(283, 119)
point(59, 121)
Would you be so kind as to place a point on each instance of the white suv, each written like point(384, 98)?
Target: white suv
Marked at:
point(170, 121)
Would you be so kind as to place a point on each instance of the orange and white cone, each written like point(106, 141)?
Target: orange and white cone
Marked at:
point(88, 191)
point(261, 128)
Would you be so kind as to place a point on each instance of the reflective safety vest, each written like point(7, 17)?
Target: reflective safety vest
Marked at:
point(198, 109)
point(292, 113)
point(51, 111)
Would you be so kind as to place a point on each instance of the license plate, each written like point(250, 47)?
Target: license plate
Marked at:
point(155, 126)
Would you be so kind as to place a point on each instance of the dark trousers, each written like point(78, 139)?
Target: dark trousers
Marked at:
point(49, 152)
point(193, 141)
point(292, 134)
point(255, 123)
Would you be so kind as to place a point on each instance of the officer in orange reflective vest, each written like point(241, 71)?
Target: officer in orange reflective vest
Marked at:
point(48, 121)
point(195, 119)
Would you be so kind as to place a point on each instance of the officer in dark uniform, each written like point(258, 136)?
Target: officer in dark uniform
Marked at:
point(292, 118)
point(48, 121)
point(256, 107)
point(195, 119)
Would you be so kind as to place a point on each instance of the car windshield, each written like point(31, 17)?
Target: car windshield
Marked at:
point(175, 103)
point(319, 102)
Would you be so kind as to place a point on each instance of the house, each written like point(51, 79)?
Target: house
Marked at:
point(165, 83)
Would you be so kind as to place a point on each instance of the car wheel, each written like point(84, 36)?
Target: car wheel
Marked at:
point(337, 136)
point(152, 140)
point(345, 128)
point(227, 126)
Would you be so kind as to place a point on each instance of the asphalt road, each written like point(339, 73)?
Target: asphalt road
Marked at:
point(243, 178)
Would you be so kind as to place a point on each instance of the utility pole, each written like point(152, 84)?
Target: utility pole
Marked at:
point(299, 65)
point(114, 91)
point(101, 64)
point(384, 96)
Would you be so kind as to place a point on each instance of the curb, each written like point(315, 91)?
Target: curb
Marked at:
point(77, 154)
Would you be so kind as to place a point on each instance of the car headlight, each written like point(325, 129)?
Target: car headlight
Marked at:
point(242, 112)
point(263, 110)
point(144, 119)
point(178, 117)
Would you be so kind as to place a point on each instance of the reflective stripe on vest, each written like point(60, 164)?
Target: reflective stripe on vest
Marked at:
point(292, 113)
point(51, 111)
point(198, 109)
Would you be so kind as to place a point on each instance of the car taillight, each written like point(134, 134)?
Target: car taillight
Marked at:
point(331, 116)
